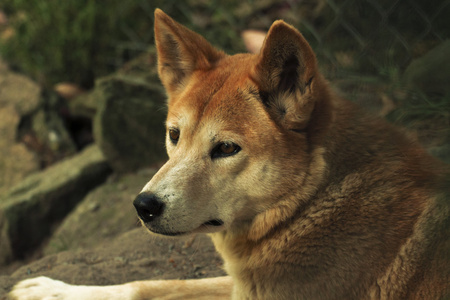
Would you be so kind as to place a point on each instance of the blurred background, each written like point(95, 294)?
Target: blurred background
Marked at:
point(78, 41)
point(79, 93)
point(390, 56)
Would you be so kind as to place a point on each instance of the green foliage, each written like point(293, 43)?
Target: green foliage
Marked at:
point(79, 40)
point(419, 107)
point(54, 40)
point(71, 40)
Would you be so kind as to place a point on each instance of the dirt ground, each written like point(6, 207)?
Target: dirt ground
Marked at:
point(101, 242)
point(134, 255)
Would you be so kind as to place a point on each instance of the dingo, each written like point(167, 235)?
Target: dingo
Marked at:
point(304, 195)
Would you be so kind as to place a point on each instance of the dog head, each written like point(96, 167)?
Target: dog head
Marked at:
point(242, 131)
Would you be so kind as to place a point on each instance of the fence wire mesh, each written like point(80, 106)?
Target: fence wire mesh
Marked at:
point(362, 36)
point(369, 35)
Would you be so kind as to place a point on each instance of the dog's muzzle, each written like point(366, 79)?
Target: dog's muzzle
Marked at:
point(148, 207)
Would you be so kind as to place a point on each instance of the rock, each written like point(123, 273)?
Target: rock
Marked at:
point(105, 212)
point(431, 72)
point(31, 208)
point(134, 255)
point(140, 69)
point(19, 91)
point(128, 108)
point(84, 105)
point(18, 96)
point(16, 161)
point(31, 127)
point(129, 124)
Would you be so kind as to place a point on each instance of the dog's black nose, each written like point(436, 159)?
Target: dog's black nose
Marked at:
point(148, 206)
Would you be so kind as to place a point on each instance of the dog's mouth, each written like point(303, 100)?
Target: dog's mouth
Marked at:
point(204, 228)
point(215, 222)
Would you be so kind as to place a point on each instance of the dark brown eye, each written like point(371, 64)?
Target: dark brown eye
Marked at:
point(225, 149)
point(174, 135)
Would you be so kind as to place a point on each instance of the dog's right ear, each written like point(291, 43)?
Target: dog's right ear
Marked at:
point(287, 75)
point(180, 52)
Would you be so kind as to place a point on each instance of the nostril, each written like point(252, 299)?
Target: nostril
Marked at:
point(148, 206)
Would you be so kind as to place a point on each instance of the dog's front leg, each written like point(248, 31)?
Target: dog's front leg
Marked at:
point(43, 288)
point(201, 289)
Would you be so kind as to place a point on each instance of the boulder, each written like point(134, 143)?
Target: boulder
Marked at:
point(32, 129)
point(18, 91)
point(84, 105)
point(140, 69)
point(31, 208)
point(105, 212)
point(129, 124)
point(431, 72)
point(18, 96)
point(16, 160)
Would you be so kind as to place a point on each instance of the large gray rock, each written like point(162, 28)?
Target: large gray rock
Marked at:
point(19, 91)
point(105, 212)
point(431, 72)
point(140, 69)
point(18, 96)
point(30, 209)
point(33, 134)
point(16, 160)
point(129, 124)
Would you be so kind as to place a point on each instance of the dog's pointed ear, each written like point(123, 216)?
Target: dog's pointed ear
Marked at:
point(286, 74)
point(180, 52)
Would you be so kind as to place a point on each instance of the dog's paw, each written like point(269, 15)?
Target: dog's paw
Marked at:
point(40, 288)
point(44, 288)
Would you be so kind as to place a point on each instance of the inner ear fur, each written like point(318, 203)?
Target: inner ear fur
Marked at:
point(180, 52)
point(286, 73)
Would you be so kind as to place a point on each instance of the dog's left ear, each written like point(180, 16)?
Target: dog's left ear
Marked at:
point(286, 74)
point(180, 52)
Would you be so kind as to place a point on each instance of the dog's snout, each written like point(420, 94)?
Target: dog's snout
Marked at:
point(148, 206)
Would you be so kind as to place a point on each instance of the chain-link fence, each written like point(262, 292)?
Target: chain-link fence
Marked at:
point(362, 36)
point(77, 39)
point(372, 35)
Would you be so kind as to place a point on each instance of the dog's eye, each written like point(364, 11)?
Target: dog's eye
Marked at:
point(174, 135)
point(225, 149)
